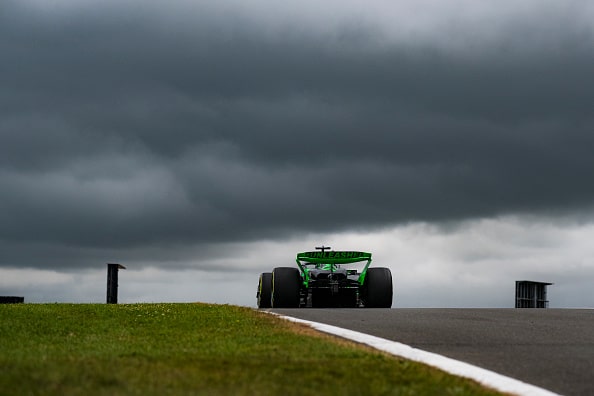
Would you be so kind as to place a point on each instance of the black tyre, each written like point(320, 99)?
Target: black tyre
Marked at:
point(264, 294)
point(377, 289)
point(286, 284)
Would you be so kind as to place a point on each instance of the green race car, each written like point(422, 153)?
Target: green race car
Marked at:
point(321, 281)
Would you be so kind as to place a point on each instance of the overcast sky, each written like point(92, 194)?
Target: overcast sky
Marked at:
point(201, 143)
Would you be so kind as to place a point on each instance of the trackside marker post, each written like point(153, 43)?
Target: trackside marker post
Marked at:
point(112, 282)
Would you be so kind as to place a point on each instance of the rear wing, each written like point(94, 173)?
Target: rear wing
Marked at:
point(340, 257)
point(331, 257)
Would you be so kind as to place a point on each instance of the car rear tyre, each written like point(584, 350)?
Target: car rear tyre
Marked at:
point(378, 288)
point(286, 284)
point(265, 290)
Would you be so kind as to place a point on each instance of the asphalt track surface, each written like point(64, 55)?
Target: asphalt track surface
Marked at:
point(549, 348)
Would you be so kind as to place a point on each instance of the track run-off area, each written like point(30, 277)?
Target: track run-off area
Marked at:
point(551, 349)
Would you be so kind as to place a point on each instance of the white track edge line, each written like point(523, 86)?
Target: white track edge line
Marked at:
point(485, 377)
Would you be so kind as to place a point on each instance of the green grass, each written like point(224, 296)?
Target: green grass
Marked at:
point(197, 349)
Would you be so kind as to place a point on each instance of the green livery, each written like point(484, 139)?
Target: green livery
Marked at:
point(334, 257)
point(320, 280)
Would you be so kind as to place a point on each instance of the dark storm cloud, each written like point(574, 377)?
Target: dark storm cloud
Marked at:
point(137, 124)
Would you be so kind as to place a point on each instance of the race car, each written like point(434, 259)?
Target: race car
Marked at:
point(321, 280)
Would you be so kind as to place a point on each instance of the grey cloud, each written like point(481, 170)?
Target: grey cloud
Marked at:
point(130, 125)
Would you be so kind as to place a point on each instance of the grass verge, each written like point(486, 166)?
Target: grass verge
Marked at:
point(198, 349)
